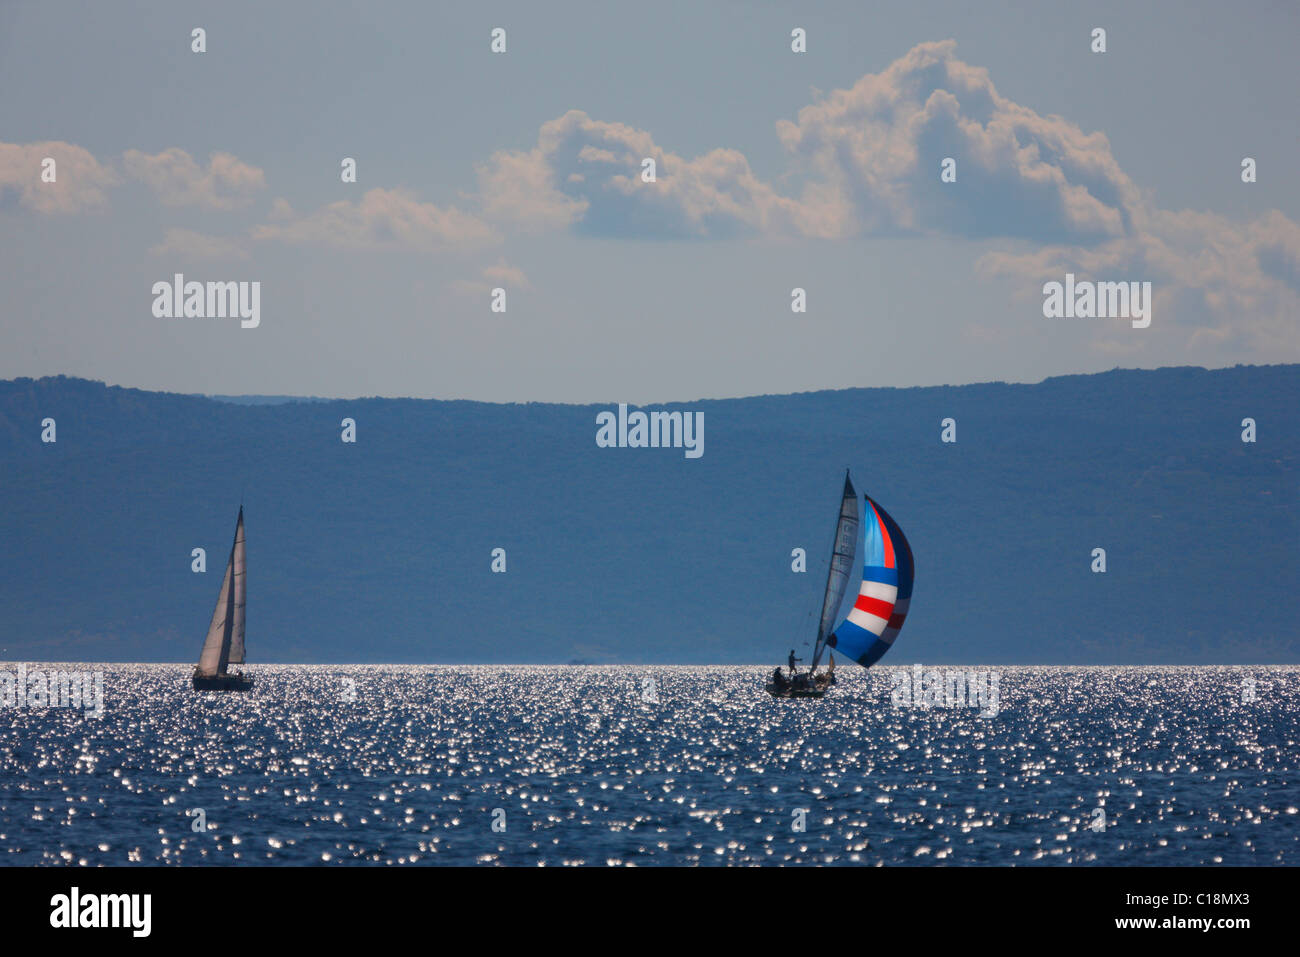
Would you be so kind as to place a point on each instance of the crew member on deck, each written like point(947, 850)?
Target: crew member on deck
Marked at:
point(793, 659)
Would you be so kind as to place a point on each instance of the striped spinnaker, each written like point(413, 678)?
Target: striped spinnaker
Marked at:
point(887, 573)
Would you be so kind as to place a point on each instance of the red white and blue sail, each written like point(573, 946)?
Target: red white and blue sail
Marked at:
point(886, 591)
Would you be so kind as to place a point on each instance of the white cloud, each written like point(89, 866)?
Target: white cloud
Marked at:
point(874, 152)
point(381, 218)
point(226, 183)
point(867, 157)
point(81, 181)
point(1224, 283)
point(870, 156)
point(586, 174)
point(185, 244)
point(502, 274)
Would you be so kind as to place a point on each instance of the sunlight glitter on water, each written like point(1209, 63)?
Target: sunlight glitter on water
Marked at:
point(402, 765)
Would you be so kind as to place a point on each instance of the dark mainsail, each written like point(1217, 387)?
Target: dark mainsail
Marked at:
point(842, 555)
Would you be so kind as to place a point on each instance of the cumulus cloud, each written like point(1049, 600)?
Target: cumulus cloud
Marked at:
point(502, 274)
point(173, 174)
point(1222, 281)
point(82, 181)
point(381, 218)
point(80, 184)
point(586, 174)
point(869, 156)
point(873, 152)
point(519, 187)
point(868, 160)
point(281, 211)
point(186, 244)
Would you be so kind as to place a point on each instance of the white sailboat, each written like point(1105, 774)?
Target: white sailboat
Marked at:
point(224, 645)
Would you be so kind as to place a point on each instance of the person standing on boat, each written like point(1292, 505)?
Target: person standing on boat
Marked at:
point(793, 670)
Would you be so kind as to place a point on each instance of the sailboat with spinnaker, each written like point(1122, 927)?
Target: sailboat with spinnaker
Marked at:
point(224, 645)
point(884, 595)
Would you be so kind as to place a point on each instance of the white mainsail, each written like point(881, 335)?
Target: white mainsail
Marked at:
point(225, 642)
point(842, 558)
point(239, 570)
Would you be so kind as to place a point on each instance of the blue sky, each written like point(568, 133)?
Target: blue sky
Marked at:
point(775, 170)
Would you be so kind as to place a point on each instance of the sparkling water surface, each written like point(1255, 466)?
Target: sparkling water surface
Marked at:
point(407, 765)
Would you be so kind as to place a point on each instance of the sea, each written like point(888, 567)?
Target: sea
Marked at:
point(653, 765)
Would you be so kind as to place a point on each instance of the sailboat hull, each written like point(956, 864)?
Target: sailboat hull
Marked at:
point(776, 692)
point(222, 683)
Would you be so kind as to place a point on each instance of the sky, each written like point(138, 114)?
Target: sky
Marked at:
point(521, 171)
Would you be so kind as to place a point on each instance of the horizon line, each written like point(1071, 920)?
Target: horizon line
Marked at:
point(286, 398)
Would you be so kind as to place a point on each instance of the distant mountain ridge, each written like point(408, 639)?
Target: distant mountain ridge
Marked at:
point(261, 399)
point(381, 551)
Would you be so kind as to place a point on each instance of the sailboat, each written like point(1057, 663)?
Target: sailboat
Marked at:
point(884, 595)
point(224, 645)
